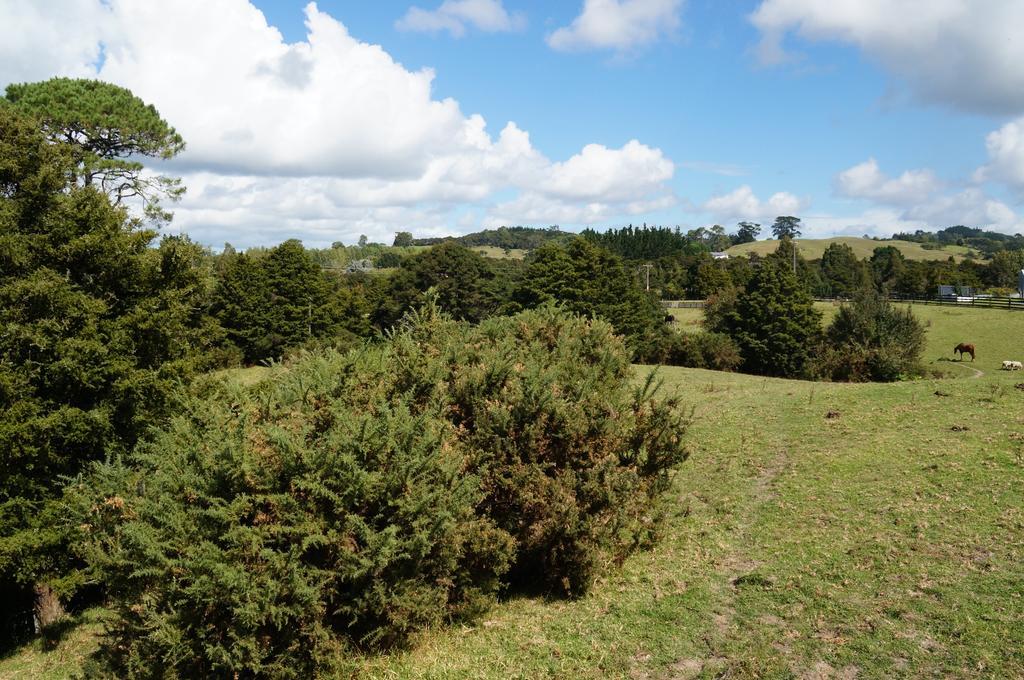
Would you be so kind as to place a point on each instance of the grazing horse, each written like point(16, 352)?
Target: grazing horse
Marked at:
point(964, 348)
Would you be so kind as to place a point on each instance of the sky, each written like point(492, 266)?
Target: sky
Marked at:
point(329, 120)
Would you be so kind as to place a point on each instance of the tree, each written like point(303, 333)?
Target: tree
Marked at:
point(788, 255)
point(774, 322)
point(98, 328)
point(1004, 268)
point(887, 264)
point(786, 226)
point(716, 238)
point(403, 238)
point(842, 273)
point(363, 240)
point(106, 128)
point(593, 282)
point(465, 283)
point(747, 232)
point(241, 301)
point(710, 279)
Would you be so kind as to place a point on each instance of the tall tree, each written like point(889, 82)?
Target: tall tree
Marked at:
point(841, 272)
point(887, 265)
point(98, 329)
point(786, 226)
point(593, 282)
point(299, 297)
point(747, 232)
point(467, 285)
point(774, 322)
point(403, 238)
point(107, 129)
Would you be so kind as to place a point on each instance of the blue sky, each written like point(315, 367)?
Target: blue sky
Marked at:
point(318, 121)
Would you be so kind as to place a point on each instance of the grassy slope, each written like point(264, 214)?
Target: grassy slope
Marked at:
point(813, 249)
point(499, 253)
point(886, 540)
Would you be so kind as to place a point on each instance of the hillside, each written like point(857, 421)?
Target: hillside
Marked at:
point(812, 249)
point(818, 530)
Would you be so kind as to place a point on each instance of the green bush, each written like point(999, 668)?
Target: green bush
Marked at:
point(717, 351)
point(706, 349)
point(365, 495)
point(871, 340)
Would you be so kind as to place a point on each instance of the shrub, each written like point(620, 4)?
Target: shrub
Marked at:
point(717, 351)
point(366, 495)
point(870, 339)
point(573, 460)
point(706, 349)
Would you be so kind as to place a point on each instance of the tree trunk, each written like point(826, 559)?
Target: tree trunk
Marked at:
point(47, 609)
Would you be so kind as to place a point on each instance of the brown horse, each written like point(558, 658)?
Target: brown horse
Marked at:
point(964, 348)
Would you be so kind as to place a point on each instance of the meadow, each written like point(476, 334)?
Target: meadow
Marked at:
point(813, 249)
point(818, 530)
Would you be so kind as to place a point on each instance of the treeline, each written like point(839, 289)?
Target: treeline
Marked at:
point(274, 302)
point(987, 242)
point(838, 274)
point(507, 238)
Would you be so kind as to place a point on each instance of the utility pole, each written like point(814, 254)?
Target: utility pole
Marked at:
point(647, 273)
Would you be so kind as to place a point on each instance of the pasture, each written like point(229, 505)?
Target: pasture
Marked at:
point(818, 530)
point(499, 253)
point(813, 249)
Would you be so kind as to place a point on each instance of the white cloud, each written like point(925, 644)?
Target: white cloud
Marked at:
point(919, 194)
point(454, 16)
point(961, 53)
point(971, 207)
point(865, 180)
point(34, 46)
point(327, 137)
point(1006, 155)
point(621, 25)
point(743, 204)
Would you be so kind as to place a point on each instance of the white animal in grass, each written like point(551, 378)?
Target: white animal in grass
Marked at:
point(1012, 365)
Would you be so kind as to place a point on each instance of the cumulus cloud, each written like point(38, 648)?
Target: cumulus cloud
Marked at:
point(455, 16)
point(33, 45)
point(328, 137)
point(1006, 155)
point(743, 204)
point(918, 195)
point(971, 207)
point(961, 53)
point(619, 25)
point(866, 180)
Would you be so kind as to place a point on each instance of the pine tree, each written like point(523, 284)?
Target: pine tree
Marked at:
point(774, 322)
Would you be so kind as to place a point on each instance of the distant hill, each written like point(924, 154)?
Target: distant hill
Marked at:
point(813, 248)
point(512, 238)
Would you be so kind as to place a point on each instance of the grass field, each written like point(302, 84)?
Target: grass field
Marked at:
point(500, 253)
point(817, 531)
point(812, 249)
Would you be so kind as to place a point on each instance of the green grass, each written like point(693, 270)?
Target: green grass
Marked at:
point(817, 530)
point(499, 253)
point(688, 320)
point(812, 249)
point(60, 659)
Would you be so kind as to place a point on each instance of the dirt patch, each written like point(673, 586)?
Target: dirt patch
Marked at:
point(685, 669)
point(825, 671)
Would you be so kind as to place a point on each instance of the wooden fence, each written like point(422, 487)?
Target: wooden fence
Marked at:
point(982, 302)
point(979, 302)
